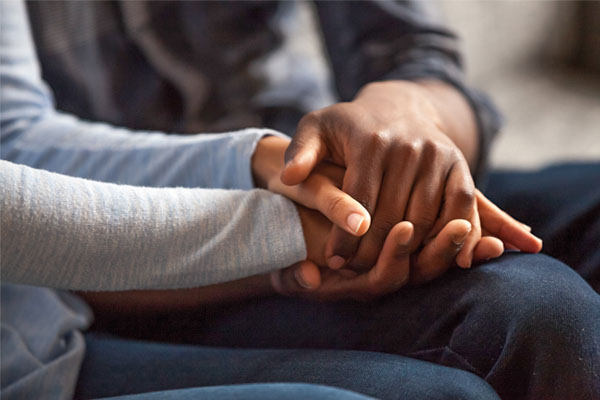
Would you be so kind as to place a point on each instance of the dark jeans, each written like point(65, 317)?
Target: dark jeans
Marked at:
point(528, 325)
point(117, 366)
point(259, 391)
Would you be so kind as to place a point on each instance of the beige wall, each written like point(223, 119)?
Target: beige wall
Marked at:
point(498, 35)
point(519, 53)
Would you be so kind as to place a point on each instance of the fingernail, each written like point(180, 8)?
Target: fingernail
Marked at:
point(527, 227)
point(354, 221)
point(300, 280)
point(460, 238)
point(336, 262)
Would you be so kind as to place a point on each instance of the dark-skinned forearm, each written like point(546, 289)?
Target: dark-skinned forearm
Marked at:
point(150, 301)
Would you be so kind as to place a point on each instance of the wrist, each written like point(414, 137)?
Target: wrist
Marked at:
point(268, 160)
point(406, 99)
point(314, 228)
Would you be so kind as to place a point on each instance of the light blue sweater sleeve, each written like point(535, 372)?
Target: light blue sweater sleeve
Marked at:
point(33, 133)
point(73, 233)
point(66, 232)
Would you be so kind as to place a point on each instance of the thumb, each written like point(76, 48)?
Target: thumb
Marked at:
point(340, 208)
point(298, 278)
point(305, 151)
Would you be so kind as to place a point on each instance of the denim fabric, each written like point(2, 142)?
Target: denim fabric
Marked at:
point(264, 391)
point(116, 366)
point(562, 205)
point(527, 324)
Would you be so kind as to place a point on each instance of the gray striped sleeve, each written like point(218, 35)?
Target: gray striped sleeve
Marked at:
point(72, 233)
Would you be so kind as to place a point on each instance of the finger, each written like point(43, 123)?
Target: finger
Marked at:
point(391, 208)
point(392, 268)
point(506, 246)
point(439, 254)
point(459, 196)
point(362, 182)
point(464, 259)
point(320, 192)
point(488, 247)
point(296, 279)
point(305, 151)
point(338, 206)
point(391, 271)
point(505, 227)
point(425, 201)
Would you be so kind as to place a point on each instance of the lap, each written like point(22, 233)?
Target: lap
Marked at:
point(486, 320)
point(460, 320)
point(562, 205)
point(263, 391)
point(116, 367)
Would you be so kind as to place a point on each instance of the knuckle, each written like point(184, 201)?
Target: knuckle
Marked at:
point(431, 148)
point(464, 195)
point(411, 150)
point(377, 140)
point(334, 206)
point(456, 154)
point(434, 150)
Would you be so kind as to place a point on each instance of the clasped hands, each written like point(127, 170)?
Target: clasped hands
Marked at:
point(385, 197)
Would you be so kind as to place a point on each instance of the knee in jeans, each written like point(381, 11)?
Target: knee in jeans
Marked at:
point(458, 384)
point(537, 293)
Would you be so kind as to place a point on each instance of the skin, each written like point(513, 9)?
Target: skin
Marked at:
point(396, 265)
point(407, 148)
point(321, 192)
point(400, 152)
point(303, 279)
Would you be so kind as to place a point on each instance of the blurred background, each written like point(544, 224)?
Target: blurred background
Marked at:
point(540, 62)
point(538, 59)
